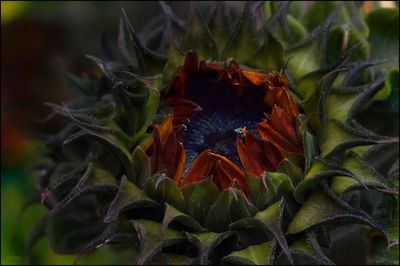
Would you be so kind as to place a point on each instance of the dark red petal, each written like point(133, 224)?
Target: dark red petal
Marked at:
point(179, 163)
point(274, 156)
point(247, 160)
point(285, 101)
point(182, 108)
point(205, 67)
point(191, 63)
point(256, 152)
point(267, 132)
point(231, 170)
point(178, 84)
point(281, 121)
point(169, 154)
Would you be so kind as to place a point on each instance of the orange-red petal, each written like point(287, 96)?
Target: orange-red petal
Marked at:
point(267, 132)
point(221, 170)
point(199, 169)
point(282, 122)
point(258, 155)
point(168, 154)
point(229, 172)
point(257, 78)
point(247, 160)
point(182, 108)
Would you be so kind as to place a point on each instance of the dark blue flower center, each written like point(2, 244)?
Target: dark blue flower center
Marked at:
point(225, 111)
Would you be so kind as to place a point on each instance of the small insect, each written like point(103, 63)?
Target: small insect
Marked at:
point(240, 130)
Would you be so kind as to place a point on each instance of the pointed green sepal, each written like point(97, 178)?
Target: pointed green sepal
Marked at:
point(173, 215)
point(270, 222)
point(129, 196)
point(206, 243)
point(198, 36)
point(152, 239)
point(339, 137)
point(230, 206)
point(94, 179)
point(253, 255)
point(242, 43)
point(199, 197)
point(360, 169)
point(164, 189)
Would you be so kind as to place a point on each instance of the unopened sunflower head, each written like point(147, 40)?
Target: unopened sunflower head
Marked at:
point(236, 140)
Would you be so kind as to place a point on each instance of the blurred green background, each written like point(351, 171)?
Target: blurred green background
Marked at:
point(40, 42)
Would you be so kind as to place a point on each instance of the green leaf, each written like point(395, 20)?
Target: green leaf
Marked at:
point(384, 33)
point(128, 196)
point(199, 197)
point(253, 255)
point(164, 189)
point(270, 222)
point(174, 215)
point(153, 239)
